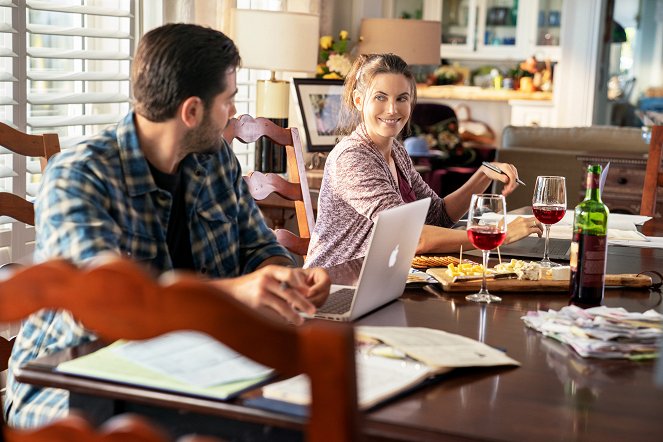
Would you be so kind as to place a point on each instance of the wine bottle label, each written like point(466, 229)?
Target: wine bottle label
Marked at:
point(588, 258)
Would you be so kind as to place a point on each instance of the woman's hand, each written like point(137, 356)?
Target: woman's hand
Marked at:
point(508, 178)
point(521, 227)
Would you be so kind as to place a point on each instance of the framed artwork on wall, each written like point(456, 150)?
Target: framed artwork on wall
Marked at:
point(320, 104)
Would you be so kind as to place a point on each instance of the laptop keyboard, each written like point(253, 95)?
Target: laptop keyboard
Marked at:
point(338, 303)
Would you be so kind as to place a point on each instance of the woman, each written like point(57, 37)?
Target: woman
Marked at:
point(369, 171)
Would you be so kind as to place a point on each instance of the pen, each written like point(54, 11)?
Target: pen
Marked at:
point(494, 168)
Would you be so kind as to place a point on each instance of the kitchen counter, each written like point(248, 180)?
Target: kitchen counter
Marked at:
point(478, 94)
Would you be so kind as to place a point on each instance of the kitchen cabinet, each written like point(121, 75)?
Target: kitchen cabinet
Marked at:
point(497, 29)
point(532, 113)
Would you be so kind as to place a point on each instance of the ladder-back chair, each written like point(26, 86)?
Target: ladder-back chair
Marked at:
point(142, 307)
point(38, 146)
point(653, 174)
point(247, 129)
point(74, 428)
point(14, 206)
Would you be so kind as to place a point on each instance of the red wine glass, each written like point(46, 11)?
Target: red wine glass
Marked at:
point(549, 207)
point(486, 229)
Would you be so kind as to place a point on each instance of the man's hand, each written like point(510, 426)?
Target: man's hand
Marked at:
point(319, 284)
point(283, 290)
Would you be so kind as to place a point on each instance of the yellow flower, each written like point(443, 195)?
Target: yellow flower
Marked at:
point(326, 41)
point(343, 35)
point(332, 76)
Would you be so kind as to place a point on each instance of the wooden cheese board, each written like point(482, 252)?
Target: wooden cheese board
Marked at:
point(544, 285)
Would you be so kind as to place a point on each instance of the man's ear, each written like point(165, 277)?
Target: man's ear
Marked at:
point(358, 100)
point(192, 112)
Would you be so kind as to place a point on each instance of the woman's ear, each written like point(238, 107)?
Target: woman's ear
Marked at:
point(358, 100)
point(192, 112)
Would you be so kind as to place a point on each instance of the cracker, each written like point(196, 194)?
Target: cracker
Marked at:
point(426, 261)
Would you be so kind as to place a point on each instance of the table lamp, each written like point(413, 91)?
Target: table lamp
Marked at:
point(415, 41)
point(276, 41)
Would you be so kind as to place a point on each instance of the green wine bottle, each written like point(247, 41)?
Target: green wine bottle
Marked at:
point(590, 245)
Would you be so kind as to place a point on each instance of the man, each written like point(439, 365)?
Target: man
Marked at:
point(162, 188)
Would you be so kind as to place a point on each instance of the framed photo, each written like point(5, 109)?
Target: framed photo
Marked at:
point(320, 103)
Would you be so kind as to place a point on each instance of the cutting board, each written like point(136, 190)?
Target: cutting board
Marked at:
point(516, 285)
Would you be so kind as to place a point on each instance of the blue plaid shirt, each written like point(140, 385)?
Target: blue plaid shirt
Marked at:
point(100, 196)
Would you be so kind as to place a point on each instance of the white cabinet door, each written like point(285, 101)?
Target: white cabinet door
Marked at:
point(532, 113)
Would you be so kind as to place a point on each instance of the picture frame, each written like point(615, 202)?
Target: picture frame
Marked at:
point(320, 105)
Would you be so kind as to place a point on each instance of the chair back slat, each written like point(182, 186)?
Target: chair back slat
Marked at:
point(653, 174)
point(261, 186)
point(28, 145)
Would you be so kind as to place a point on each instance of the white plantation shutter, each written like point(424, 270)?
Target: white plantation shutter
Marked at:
point(64, 68)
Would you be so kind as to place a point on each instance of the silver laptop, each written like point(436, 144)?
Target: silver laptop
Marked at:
point(386, 264)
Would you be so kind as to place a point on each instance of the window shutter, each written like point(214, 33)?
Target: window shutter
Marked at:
point(65, 67)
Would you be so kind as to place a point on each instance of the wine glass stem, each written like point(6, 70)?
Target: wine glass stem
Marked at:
point(545, 248)
point(484, 287)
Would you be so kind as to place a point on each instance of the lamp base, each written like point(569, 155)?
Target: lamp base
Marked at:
point(272, 98)
point(269, 156)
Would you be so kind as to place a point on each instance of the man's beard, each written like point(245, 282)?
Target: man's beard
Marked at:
point(207, 138)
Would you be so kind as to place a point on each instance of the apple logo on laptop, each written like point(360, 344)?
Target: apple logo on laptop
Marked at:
point(394, 256)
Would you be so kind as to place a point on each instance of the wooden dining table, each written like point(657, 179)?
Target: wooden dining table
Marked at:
point(555, 395)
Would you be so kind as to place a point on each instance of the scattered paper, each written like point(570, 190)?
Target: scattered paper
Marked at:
point(622, 229)
point(437, 348)
point(377, 380)
point(653, 242)
point(601, 332)
point(391, 360)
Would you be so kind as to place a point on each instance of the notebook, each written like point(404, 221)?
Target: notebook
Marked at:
point(532, 247)
point(386, 264)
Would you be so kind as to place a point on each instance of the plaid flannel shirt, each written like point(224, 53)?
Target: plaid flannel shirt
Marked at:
point(100, 196)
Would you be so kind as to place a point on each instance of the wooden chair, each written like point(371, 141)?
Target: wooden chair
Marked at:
point(39, 146)
point(74, 428)
point(142, 308)
point(11, 205)
point(653, 173)
point(247, 129)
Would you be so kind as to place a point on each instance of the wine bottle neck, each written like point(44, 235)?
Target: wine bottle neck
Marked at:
point(593, 191)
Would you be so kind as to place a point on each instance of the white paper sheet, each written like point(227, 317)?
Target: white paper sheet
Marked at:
point(621, 227)
point(615, 220)
point(653, 242)
point(193, 358)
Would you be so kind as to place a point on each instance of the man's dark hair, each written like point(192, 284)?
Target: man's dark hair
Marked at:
point(177, 61)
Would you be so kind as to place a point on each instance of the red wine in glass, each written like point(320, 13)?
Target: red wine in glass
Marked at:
point(549, 207)
point(486, 229)
point(485, 238)
point(549, 214)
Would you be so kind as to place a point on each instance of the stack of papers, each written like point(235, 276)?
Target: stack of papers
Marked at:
point(391, 360)
point(602, 332)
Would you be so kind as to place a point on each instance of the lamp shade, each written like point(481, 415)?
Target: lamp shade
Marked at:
point(415, 41)
point(278, 41)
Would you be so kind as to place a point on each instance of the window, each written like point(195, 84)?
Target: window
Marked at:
point(64, 68)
